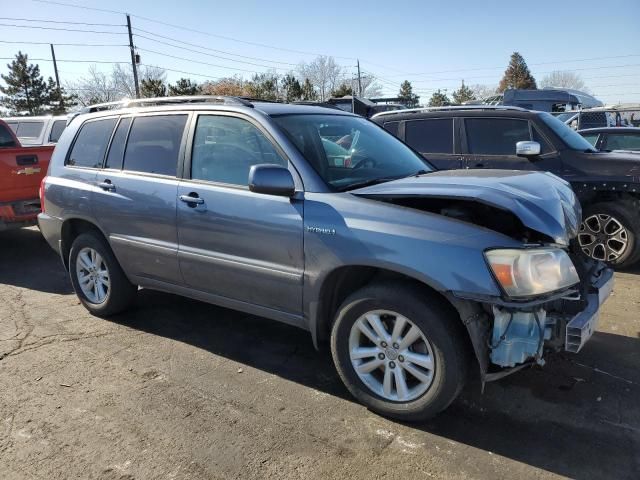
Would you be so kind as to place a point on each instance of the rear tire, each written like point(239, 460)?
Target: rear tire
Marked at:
point(425, 375)
point(97, 277)
point(610, 232)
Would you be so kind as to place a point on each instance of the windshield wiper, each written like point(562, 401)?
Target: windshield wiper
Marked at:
point(367, 183)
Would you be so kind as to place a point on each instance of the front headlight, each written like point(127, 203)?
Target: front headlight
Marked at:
point(527, 272)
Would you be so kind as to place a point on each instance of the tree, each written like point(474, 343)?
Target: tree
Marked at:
point(342, 91)
point(152, 88)
point(291, 88)
point(184, 86)
point(323, 73)
point(59, 100)
point(263, 86)
point(308, 91)
point(564, 79)
point(370, 88)
point(483, 91)
point(517, 75)
point(231, 86)
point(26, 90)
point(463, 94)
point(439, 99)
point(406, 95)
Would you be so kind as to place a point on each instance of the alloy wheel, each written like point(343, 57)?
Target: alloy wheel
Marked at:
point(93, 275)
point(391, 355)
point(603, 237)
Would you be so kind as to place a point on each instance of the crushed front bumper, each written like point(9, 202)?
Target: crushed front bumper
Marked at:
point(580, 328)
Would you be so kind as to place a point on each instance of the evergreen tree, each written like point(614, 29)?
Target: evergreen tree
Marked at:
point(184, 86)
point(517, 75)
point(343, 90)
point(406, 95)
point(439, 99)
point(152, 87)
point(308, 92)
point(463, 94)
point(291, 88)
point(26, 90)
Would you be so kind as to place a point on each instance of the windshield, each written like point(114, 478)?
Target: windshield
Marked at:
point(350, 151)
point(573, 140)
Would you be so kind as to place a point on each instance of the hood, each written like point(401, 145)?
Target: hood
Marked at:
point(541, 201)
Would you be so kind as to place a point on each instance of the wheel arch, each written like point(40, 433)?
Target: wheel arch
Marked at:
point(71, 228)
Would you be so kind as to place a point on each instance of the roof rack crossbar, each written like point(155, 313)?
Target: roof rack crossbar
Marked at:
point(148, 102)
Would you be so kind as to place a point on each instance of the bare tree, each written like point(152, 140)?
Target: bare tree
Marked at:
point(483, 91)
point(323, 73)
point(370, 87)
point(100, 87)
point(564, 79)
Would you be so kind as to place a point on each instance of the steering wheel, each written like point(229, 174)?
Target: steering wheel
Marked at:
point(365, 162)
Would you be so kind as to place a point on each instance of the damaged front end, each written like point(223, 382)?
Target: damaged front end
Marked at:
point(508, 335)
point(550, 292)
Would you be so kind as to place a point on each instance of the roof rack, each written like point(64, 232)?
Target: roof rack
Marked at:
point(451, 108)
point(148, 102)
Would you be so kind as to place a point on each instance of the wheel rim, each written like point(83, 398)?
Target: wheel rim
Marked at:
point(391, 355)
point(93, 275)
point(603, 237)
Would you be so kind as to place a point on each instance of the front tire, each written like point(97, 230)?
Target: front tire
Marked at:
point(610, 232)
point(399, 350)
point(97, 277)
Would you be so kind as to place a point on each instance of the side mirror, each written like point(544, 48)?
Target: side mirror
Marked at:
point(271, 180)
point(527, 149)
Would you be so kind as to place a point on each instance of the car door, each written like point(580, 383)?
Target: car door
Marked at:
point(135, 200)
point(491, 142)
point(241, 246)
point(434, 139)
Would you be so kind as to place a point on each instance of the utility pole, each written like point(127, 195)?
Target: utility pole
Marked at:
point(55, 70)
point(133, 58)
point(359, 81)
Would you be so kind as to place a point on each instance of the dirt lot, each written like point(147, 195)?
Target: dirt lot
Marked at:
point(180, 389)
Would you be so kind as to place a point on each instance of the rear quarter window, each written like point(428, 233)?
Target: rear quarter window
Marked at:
point(56, 130)
point(29, 129)
point(91, 143)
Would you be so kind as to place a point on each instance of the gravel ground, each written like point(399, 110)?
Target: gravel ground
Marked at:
point(180, 389)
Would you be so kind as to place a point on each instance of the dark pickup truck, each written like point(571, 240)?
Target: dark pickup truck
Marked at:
point(606, 183)
point(21, 171)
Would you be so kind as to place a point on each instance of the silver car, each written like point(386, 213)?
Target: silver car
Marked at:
point(318, 218)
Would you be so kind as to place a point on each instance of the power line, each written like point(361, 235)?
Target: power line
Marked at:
point(206, 63)
point(64, 44)
point(206, 48)
point(79, 6)
point(181, 71)
point(59, 29)
point(58, 21)
point(66, 61)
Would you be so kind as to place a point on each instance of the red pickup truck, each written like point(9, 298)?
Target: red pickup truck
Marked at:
point(21, 171)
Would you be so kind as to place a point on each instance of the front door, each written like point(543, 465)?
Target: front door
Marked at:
point(233, 243)
point(491, 143)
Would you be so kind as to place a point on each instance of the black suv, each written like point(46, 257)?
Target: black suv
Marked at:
point(607, 183)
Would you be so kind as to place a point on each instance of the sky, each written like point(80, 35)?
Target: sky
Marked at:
point(433, 44)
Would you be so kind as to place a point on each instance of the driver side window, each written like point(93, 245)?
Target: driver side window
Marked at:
point(225, 148)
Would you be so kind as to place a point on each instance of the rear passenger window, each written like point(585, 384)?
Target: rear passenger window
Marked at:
point(430, 136)
point(623, 142)
point(225, 149)
point(154, 144)
point(91, 143)
point(56, 130)
point(392, 127)
point(495, 136)
point(116, 151)
point(6, 139)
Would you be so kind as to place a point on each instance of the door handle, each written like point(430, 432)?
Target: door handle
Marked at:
point(107, 186)
point(479, 165)
point(192, 199)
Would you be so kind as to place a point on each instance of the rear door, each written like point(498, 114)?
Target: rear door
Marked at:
point(434, 139)
point(236, 244)
point(135, 199)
